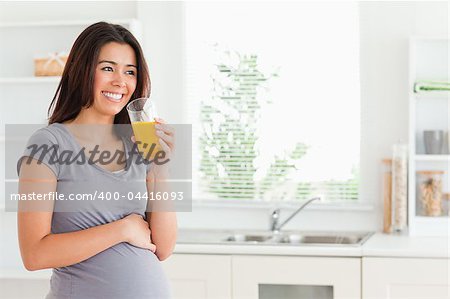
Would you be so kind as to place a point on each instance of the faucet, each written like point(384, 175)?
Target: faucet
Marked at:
point(275, 216)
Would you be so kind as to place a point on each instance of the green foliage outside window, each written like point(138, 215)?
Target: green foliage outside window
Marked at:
point(228, 143)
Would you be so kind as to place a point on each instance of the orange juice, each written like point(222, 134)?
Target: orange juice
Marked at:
point(146, 138)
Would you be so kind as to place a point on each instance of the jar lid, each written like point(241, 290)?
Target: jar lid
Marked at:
point(386, 161)
point(430, 171)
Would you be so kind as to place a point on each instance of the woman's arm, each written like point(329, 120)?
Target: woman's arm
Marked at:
point(163, 224)
point(40, 249)
point(162, 218)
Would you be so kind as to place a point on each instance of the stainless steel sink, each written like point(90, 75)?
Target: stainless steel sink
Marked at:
point(284, 238)
point(301, 238)
point(247, 238)
point(353, 239)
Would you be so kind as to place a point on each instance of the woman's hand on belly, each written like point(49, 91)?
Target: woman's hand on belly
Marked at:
point(137, 232)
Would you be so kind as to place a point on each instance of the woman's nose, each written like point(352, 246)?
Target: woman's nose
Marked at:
point(119, 80)
point(120, 83)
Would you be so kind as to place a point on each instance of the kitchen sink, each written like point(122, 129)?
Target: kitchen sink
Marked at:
point(301, 238)
point(335, 239)
point(248, 238)
point(283, 238)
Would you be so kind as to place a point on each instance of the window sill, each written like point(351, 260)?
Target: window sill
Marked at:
point(324, 206)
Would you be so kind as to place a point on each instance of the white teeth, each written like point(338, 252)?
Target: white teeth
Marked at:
point(115, 96)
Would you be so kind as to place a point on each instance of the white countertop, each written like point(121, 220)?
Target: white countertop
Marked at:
point(268, 250)
point(378, 245)
point(383, 245)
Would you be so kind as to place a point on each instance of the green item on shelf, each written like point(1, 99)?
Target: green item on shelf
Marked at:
point(431, 86)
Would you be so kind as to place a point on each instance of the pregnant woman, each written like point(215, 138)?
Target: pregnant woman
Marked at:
point(97, 247)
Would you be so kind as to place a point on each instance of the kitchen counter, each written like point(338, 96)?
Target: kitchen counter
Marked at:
point(378, 245)
point(383, 245)
point(209, 242)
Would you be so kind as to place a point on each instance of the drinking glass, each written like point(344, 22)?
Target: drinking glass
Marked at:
point(434, 140)
point(143, 115)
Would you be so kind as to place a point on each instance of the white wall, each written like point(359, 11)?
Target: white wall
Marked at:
point(385, 28)
point(29, 11)
point(163, 45)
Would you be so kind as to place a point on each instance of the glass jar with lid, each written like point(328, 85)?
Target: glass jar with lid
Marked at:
point(446, 204)
point(430, 192)
point(399, 187)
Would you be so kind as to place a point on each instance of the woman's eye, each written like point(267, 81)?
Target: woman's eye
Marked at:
point(107, 68)
point(130, 73)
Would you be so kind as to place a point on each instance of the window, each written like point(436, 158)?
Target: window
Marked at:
point(273, 91)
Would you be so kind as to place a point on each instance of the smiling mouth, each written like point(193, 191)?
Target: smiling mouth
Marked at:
point(115, 97)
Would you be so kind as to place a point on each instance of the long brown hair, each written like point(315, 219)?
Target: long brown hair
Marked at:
point(76, 88)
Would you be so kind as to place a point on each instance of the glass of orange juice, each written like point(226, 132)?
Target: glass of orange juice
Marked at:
point(142, 114)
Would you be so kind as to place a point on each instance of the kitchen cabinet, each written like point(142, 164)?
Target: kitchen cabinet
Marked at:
point(220, 276)
point(291, 277)
point(236, 276)
point(428, 111)
point(412, 278)
point(13, 288)
point(194, 276)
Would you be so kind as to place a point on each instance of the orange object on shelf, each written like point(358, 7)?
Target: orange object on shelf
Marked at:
point(430, 190)
point(387, 195)
point(52, 65)
point(446, 203)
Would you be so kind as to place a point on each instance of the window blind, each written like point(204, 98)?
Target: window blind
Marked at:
point(280, 120)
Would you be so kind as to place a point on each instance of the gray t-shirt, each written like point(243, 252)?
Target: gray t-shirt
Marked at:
point(121, 271)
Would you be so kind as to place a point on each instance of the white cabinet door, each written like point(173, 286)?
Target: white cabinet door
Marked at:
point(21, 288)
point(199, 276)
point(406, 278)
point(296, 277)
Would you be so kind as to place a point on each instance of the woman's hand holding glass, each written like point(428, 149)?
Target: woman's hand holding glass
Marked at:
point(166, 136)
point(166, 140)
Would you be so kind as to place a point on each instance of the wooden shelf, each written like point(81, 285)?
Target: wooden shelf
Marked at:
point(445, 95)
point(436, 158)
point(444, 219)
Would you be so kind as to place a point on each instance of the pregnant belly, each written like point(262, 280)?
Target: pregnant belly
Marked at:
point(122, 271)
